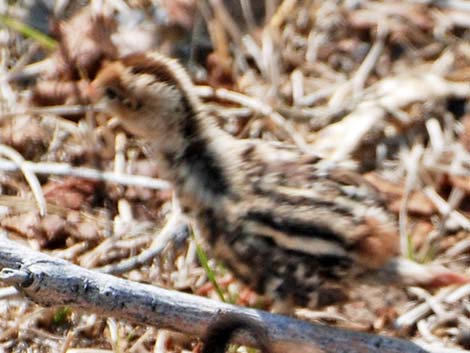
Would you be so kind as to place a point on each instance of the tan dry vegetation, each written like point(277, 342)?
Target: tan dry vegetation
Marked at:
point(383, 84)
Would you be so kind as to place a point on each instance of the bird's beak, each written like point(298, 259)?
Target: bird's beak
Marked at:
point(94, 96)
point(92, 93)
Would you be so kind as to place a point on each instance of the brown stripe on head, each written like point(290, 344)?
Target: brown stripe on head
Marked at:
point(167, 71)
point(143, 64)
point(109, 76)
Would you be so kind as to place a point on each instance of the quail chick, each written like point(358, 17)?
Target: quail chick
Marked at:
point(285, 222)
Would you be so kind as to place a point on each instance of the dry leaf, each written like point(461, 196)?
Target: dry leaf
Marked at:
point(418, 203)
point(84, 42)
point(71, 192)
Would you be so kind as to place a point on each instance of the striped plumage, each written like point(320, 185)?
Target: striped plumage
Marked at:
point(285, 222)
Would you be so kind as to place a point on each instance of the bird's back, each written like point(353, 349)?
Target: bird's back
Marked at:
point(295, 224)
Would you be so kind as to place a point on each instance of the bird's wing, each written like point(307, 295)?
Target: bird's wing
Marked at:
point(310, 206)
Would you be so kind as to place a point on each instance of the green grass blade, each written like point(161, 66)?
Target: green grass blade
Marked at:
point(29, 32)
point(201, 254)
point(411, 249)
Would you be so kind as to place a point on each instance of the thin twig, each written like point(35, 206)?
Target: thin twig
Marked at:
point(284, 10)
point(445, 209)
point(54, 110)
point(7, 292)
point(173, 229)
point(412, 316)
point(258, 106)
point(363, 72)
point(435, 348)
point(32, 180)
point(87, 173)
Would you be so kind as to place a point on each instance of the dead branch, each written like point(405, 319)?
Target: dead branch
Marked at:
point(50, 281)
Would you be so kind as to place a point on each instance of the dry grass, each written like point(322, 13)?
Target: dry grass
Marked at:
point(382, 84)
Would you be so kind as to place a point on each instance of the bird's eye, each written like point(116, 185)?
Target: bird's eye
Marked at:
point(111, 93)
point(131, 103)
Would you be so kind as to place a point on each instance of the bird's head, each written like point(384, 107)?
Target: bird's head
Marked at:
point(149, 93)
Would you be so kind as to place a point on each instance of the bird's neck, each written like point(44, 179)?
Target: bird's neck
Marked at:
point(195, 161)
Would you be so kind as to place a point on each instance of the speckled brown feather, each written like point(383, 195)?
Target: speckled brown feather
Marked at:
point(286, 223)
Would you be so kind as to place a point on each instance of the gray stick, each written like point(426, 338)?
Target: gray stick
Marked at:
point(50, 281)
